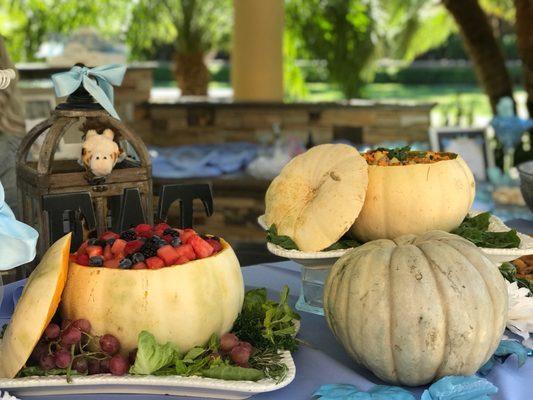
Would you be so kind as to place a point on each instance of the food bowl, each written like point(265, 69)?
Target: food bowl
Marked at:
point(526, 182)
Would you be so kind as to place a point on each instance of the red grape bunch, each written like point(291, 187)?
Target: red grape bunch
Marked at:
point(66, 348)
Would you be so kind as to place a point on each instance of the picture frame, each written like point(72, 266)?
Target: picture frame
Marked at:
point(472, 144)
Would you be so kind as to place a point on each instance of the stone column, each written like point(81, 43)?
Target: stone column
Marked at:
point(257, 53)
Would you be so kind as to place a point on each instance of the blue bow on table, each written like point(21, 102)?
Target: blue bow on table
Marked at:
point(101, 90)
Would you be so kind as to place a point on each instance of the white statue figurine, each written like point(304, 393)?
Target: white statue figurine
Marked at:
point(99, 152)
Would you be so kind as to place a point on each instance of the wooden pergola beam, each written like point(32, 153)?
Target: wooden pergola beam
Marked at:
point(257, 52)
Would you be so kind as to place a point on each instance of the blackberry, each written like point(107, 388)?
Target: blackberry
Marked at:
point(128, 235)
point(101, 243)
point(149, 249)
point(96, 261)
point(125, 263)
point(110, 241)
point(176, 241)
point(92, 242)
point(137, 258)
point(171, 232)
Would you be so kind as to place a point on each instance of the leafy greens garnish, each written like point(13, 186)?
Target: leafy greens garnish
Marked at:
point(267, 324)
point(288, 244)
point(508, 270)
point(400, 153)
point(476, 228)
point(281, 240)
point(152, 356)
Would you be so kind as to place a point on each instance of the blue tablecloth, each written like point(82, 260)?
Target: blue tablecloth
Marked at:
point(324, 361)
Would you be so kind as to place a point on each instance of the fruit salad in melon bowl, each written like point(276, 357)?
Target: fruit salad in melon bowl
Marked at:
point(152, 300)
point(157, 279)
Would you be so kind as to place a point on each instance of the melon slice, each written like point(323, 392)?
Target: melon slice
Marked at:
point(318, 195)
point(35, 308)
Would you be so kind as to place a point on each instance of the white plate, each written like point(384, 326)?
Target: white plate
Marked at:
point(164, 385)
point(324, 258)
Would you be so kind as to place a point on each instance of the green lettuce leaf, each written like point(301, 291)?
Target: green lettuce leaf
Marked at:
point(152, 356)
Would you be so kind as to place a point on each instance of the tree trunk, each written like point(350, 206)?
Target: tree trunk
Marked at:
point(191, 74)
point(524, 33)
point(483, 49)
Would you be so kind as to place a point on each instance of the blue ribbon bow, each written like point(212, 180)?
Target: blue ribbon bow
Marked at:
point(101, 90)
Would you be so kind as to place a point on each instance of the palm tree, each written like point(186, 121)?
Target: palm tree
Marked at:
point(483, 48)
point(192, 28)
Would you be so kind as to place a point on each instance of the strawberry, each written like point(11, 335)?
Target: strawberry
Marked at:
point(108, 255)
point(168, 254)
point(181, 260)
point(109, 235)
point(154, 263)
point(201, 247)
point(93, 251)
point(118, 246)
point(139, 265)
point(113, 263)
point(215, 244)
point(186, 235)
point(83, 248)
point(186, 251)
point(133, 247)
point(142, 228)
point(83, 259)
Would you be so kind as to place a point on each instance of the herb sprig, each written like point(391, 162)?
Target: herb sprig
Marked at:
point(267, 324)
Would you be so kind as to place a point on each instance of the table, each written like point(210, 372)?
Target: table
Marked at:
point(323, 360)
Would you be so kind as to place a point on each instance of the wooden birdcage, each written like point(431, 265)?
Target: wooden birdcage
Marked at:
point(42, 178)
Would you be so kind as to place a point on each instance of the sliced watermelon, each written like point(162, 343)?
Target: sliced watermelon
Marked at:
point(154, 263)
point(168, 254)
point(215, 244)
point(83, 248)
point(109, 235)
point(181, 260)
point(83, 259)
point(186, 251)
point(201, 247)
point(139, 265)
point(113, 263)
point(93, 251)
point(119, 246)
point(133, 247)
point(142, 228)
point(108, 254)
point(186, 235)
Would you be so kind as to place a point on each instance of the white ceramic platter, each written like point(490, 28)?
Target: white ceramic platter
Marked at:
point(323, 258)
point(164, 385)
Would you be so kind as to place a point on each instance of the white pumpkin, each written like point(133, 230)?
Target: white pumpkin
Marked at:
point(413, 199)
point(184, 304)
point(417, 308)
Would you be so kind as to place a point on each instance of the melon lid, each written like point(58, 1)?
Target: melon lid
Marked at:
point(35, 308)
point(318, 195)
